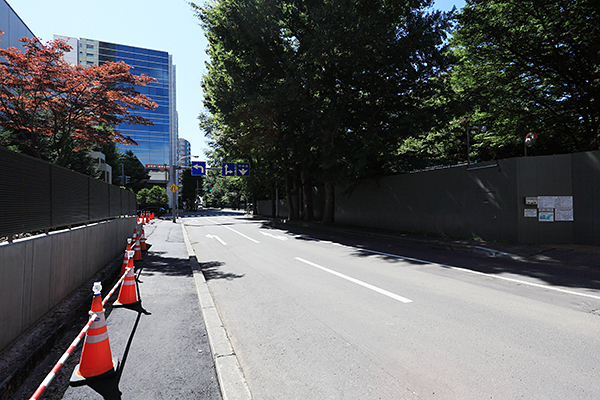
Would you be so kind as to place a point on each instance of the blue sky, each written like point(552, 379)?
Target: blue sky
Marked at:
point(167, 25)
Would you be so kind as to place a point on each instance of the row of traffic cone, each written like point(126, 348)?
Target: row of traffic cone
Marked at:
point(145, 217)
point(96, 359)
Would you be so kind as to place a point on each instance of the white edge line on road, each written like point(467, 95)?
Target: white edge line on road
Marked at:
point(358, 282)
point(503, 278)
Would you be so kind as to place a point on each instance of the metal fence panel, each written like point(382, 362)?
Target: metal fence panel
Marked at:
point(99, 207)
point(115, 200)
point(70, 192)
point(36, 195)
point(23, 182)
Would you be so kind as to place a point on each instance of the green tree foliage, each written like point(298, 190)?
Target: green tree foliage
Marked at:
point(156, 196)
point(134, 169)
point(320, 91)
point(57, 111)
point(222, 191)
point(529, 66)
point(190, 187)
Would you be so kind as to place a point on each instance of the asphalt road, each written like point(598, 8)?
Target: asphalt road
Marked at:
point(317, 316)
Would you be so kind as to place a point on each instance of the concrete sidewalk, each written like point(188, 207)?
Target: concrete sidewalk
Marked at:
point(161, 344)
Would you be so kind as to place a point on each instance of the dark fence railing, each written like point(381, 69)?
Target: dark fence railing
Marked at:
point(37, 195)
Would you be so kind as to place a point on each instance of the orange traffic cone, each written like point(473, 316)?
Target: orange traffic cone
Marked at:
point(96, 360)
point(128, 244)
point(143, 240)
point(128, 293)
point(125, 263)
point(137, 248)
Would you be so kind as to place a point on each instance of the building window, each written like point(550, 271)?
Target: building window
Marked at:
point(90, 46)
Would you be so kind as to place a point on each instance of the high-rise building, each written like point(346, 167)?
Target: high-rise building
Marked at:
point(157, 144)
point(184, 153)
point(13, 27)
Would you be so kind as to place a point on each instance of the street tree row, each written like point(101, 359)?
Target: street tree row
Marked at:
point(322, 92)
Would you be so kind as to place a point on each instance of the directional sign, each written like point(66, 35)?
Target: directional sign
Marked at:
point(243, 169)
point(228, 169)
point(198, 168)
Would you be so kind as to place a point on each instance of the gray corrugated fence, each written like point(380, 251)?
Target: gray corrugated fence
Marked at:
point(546, 199)
point(36, 195)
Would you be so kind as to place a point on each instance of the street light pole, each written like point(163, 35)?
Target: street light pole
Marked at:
point(176, 193)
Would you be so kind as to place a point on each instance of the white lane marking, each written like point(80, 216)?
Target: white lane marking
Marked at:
point(274, 236)
point(503, 278)
point(358, 282)
point(241, 234)
point(233, 230)
point(218, 239)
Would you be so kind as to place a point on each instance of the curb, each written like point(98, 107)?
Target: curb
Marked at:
point(231, 377)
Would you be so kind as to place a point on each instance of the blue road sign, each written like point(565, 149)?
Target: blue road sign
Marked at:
point(243, 169)
point(198, 168)
point(228, 169)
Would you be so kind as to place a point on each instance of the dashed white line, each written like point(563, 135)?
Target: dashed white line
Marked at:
point(357, 281)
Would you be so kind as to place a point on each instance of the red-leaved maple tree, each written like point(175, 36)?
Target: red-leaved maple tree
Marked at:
point(50, 108)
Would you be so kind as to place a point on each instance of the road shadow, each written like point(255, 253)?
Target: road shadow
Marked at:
point(212, 270)
point(564, 269)
point(156, 262)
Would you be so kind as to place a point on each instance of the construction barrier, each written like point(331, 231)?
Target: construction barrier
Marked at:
point(93, 317)
point(96, 360)
point(62, 360)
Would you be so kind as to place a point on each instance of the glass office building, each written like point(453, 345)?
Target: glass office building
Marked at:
point(13, 27)
point(157, 144)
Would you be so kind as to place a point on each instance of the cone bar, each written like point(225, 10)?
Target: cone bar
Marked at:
point(96, 360)
point(61, 362)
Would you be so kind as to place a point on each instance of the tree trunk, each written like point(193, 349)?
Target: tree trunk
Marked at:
point(306, 195)
point(298, 194)
point(289, 195)
point(328, 211)
point(273, 202)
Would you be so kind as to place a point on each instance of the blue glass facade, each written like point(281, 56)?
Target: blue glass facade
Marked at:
point(154, 142)
point(12, 26)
